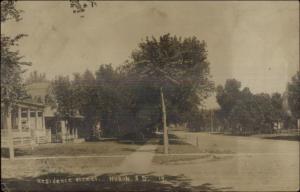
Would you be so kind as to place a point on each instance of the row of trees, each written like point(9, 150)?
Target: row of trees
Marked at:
point(127, 98)
point(244, 112)
point(123, 98)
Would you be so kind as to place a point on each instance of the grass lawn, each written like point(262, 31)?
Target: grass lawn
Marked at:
point(179, 148)
point(32, 167)
point(75, 149)
point(182, 152)
point(177, 159)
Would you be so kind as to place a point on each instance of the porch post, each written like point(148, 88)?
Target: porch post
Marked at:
point(43, 120)
point(63, 131)
point(36, 119)
point(298, 125)
point(36, 127)
point(19, 119)
point(9, 133)
point(28, 118)
point(76, 133)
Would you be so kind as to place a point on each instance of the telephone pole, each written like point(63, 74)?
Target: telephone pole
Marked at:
point(166, 76)
point(211, 121)
point(164, 122)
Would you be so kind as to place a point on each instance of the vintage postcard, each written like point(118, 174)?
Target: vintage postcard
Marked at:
point(150, 96)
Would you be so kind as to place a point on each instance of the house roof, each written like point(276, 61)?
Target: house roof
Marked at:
point(38, 89)
point(31, 104)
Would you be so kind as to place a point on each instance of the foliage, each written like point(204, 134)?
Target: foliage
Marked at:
point(227, 97)
point(80, 7)
point(177, 65)
point(9, 11)
point(294, 95)
point(12, 87)
point(244, 112)
point(63, 96)
point(127, 99)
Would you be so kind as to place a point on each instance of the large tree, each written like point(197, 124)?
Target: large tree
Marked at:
point(227, 97)
point(178, 66)
point(63, 94)
point(11, 61)
point(12, 88)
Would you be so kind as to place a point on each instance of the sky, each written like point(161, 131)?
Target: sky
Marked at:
point(254, 42)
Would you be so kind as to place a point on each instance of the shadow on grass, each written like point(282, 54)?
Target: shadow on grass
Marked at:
point(153, 141)
point(135, 142)
point(288, 138)
point(128, 149)
point(86, 148)
point(173, 139)
point(270, 136)
point(106, 182)
point(174, 142)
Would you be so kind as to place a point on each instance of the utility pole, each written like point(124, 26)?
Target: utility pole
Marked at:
point(163, 106)
point(211, 121)
point(164, 122)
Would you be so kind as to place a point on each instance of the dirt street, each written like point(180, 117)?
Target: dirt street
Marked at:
point(241, 163)
point(229, 163)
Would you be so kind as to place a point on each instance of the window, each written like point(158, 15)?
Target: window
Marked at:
point(24, 114)
point(40, 114)
point(32, 114)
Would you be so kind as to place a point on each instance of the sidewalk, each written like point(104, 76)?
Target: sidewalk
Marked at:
point(139, 161)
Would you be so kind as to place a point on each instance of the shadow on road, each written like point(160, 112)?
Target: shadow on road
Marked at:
point(105, 182)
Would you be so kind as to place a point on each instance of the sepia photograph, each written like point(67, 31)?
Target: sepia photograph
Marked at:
point(150, 96)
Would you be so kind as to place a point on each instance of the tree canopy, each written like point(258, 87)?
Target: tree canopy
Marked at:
point(180, 67)
point(12, 88)
point(244, 112)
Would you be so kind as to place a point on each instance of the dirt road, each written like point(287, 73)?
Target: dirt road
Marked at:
point(241, 163)
point(226, 163)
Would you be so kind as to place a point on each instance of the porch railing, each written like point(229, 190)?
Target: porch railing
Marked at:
point(25, 137)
